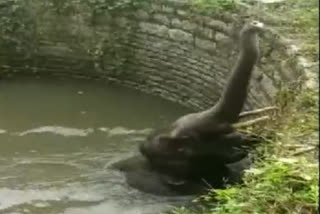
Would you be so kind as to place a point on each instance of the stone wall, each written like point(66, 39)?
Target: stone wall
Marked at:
point(160, 47)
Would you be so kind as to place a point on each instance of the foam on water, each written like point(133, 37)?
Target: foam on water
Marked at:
point(70, 131)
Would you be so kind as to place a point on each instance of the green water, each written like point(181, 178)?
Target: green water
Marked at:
point(58, 137)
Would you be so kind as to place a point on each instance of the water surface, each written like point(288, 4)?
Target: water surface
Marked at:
point(58, 137)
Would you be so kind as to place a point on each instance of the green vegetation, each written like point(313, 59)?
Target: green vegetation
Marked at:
point(286, 180)
point(301, 20)
point(286, 185)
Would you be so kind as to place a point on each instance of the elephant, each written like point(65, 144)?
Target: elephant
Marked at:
point(214, 125)
point(200, 150)
point(140, 175)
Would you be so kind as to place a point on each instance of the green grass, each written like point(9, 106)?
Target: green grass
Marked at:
point(283, 182)
point(302, 19)
point(279, 185)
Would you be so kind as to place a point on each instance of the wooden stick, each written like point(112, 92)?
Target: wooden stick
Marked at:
point(251, 122)
point(304, 151)
point(257, 111)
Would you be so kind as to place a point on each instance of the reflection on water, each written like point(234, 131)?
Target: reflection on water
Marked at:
point(56, 145)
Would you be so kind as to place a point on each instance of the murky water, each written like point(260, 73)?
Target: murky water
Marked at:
point(57, 138)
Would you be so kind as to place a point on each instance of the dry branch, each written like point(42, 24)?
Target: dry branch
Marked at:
point(251, 122)
point(257, 111)
point(304, 151)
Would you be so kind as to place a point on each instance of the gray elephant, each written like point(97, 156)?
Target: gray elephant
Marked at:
point(200, 150)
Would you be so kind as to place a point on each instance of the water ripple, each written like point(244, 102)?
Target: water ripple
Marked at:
point(13, 197)
point(58, 130)
point(69, 131)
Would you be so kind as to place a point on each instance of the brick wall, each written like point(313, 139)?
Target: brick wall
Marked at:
point(162, 48)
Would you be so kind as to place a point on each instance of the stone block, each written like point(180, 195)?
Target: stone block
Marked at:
point(221, 37)
point(205, 44)
point(155, 7)
point(216, 25)
point(162, 19)
point(142, 14)
point(181, 36)
point(207, 33)
point(167, 9)
point(121, 22)
point(182, 13)
point(184, 25)
point(159, 30)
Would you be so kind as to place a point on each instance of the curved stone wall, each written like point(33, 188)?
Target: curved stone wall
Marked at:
point(162, 47)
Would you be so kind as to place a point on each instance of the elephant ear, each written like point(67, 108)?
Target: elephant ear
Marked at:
point(175, 144)
point(165, 146)
point(209, 132)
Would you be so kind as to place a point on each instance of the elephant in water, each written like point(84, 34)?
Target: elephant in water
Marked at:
point(200, 150)
point(141, 175)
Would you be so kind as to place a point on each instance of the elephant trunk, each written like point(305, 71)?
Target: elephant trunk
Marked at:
point(235, 92)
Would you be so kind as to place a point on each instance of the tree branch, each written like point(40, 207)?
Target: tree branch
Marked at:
point(257, 111)
point(251, 122)
point(304, 151)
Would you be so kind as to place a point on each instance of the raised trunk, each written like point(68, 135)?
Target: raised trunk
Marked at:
point(234, 95)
